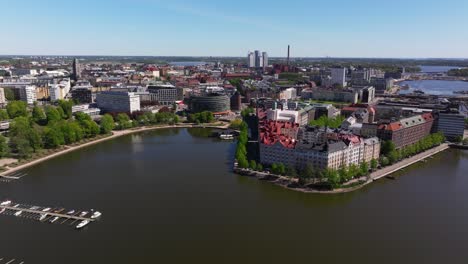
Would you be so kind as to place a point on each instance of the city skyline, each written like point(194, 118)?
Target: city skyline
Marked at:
point(155, 28)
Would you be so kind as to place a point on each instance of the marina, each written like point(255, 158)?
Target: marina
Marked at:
point(79, 219)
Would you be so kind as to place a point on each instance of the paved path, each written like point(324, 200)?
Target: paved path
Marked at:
point(407, 162)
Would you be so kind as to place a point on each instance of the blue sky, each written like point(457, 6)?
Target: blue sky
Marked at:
point(335, 28)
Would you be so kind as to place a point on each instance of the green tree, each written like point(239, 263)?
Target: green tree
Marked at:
point(4, 148)
point(66, 106)
point(38, 115)
point(393, 157)
point(52, 114)
point(20, 131)
point(90, 128)
point(384, 161)
point(332, 177)
point(374, 164)
point(123, 121)
point(107, 124)
point(364, 169)
point(253, 165)
point(325, 121)
point(387, 147)
point(291, 172)
point(259, 167)
point(53, 137)
point(243, 163)
point(4, 115)
point(61, 112)
point(17, 109)
point(307, 172)
point(281, 169)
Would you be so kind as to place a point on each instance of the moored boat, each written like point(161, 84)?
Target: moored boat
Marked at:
point(6, 203)
point(18, 213)
point(43, 217)
point(82, 224)
point(96, 215)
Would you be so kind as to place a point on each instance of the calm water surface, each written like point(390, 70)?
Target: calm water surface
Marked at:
point(435, 87)
point(169, 197)
point(436, 69)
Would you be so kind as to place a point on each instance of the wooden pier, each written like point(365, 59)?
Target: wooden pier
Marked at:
point(51, 215)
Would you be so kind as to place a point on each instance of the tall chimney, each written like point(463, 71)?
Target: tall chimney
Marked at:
point(288, 55)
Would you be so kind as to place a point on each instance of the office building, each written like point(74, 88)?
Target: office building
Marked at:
point(212, 102)
point(451, 124)
point(82, 95)
point(258, 59)
point(118, 102)
point(265, 59)
point(251, 60)
point(76, 70)
point(164, 94)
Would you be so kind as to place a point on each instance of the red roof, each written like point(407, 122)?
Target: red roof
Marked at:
point(270, 133)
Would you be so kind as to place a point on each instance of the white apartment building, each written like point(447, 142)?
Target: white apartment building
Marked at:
point(28, 94)
point(58, 91)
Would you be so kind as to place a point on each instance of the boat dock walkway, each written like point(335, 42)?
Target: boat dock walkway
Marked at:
point(12, 176)
point(51, 215)
point(10, 261)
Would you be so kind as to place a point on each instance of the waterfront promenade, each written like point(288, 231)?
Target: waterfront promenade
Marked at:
point(407, 162)
point(115, 134)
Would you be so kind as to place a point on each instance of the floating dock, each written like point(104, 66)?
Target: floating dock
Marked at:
point(50, 214)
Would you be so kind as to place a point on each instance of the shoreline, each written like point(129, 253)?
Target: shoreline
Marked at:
point(284, 181)
point(115, 134)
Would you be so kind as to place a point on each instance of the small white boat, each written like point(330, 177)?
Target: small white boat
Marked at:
point(46, 210)
point(71, 212)
point(83, 214)
point(226, 136)
point(3, 210)
point(82, 224)
point(6, 203)
point(18, 213)
point(96, 215)
point(16, 206)
point(34, 208)
point(54, 219)
point(43, 217)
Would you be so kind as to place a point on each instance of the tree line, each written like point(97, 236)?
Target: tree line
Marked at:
point(325, 121)
point(46, 128)
point(391, 155)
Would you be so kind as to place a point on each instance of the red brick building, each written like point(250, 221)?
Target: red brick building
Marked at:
point(407, 131)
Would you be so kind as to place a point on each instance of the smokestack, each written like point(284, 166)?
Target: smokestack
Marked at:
point(288, 55)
